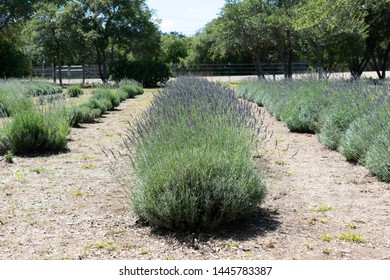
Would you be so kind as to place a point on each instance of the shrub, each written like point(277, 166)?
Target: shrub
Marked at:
point(348, 103)
point(102, 104)
point(129, 89)
point(12, 98)
point(107, 94)
point(74, 91)
point(83, 114)
point(357, 139)
point(362, 133)
point(38, 129)
point(152, 73)
point(305, 103)
point(5, 106)
point(40, 88)
point(298, 103)
point(4, 142)
point(333, 125)
point(122, 95)
point(192, 154)
point(378, 155)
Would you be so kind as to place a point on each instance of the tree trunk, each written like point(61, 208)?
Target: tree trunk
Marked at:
point(357, 68)
point(60, 73)
point(289, 56)
point(54, 69)
point(381, 64)
point(101, 66)
point(30, 69)
point(385, 59)
point(83, 73)
point(319, 60)
point(259, 69)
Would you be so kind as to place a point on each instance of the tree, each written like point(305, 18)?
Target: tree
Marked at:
point(175, 47)
point(376, 45)
point(46, 39)
point(378, 40)
point(13, 61)
point(67, 31)
point(12, 11)
point(322, 23)
point(79, 49)
point(201, 49)
point(244, 26)
point(283, 30)
point(115, 25)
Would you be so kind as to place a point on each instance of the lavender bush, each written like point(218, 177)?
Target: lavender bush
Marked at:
point(192, 152)
point(378, 155)
point(34, 117)
point(131, 87)
point(74, 91)
point(298, 103)
point(36, 128)
point(348, 101)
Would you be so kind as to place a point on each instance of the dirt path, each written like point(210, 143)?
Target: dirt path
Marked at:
point(69, 206)
point(319, 197)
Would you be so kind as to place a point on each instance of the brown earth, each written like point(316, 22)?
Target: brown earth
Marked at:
point(70, 206)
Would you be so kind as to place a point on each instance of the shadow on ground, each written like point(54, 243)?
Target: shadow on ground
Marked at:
point(258, 224)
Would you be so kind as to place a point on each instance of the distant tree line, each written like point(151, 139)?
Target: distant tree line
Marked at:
point(121, 36)
point(326, 33)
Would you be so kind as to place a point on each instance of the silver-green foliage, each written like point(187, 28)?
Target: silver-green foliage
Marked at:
point(131, 87)
point(298, 102)
point(348, 102)
point(351, 117)
point(74, 91)
point(33, 117)
point(367, 140)
point(37, 128)
point(378, 155)
point(192, 154)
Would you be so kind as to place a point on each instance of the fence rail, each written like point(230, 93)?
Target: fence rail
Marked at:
point(68, 72)
point(239, 69)
point(230, 69)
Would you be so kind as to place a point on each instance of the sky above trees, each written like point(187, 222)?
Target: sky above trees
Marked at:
point(185, 16)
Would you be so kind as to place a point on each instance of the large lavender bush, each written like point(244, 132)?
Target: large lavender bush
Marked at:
point(192, 152)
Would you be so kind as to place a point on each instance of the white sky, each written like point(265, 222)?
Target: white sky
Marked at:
point(185, 16)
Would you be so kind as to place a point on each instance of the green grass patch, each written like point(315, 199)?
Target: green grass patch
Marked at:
point(352, 237)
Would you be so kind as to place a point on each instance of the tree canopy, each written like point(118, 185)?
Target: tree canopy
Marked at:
point(115, 29)
point(326, 34)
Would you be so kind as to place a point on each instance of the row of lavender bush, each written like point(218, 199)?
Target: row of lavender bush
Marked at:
point(351, 117)
point(192, 153)
point(102, 99)
point(36, 117)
